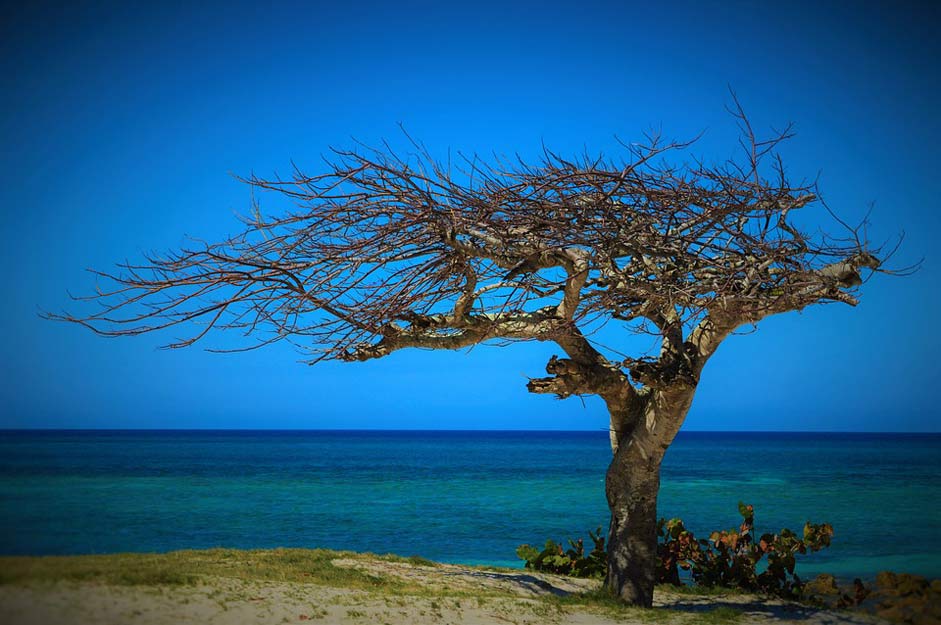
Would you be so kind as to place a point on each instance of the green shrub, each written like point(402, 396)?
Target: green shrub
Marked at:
point(733, 558)
point(727, 559)
point(554, 559)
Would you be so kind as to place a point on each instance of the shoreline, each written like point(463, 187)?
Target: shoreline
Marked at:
point(227, 587)
point(509, 566)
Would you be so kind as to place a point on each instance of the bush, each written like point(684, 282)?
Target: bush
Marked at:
point(733, 558)
point(574, 562)
point(728, 559)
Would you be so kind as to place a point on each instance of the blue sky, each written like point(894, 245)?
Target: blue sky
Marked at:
point(122, 125)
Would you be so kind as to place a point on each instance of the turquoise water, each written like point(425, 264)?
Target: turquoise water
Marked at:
point(468, 497)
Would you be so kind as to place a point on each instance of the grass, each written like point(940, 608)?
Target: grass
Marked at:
point(603, 602)
point(413, 560)
point(699, 591)
point(188, 567)
point(722, 615)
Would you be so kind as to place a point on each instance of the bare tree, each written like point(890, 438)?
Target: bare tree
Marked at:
point(387, 251)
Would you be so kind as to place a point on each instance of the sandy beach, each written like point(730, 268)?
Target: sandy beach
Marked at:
point(405, 593)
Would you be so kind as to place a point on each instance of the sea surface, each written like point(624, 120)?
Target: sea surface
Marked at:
point(465, 497)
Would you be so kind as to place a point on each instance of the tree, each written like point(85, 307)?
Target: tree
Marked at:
point(386, 251)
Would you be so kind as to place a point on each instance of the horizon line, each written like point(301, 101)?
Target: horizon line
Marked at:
point(425, 430)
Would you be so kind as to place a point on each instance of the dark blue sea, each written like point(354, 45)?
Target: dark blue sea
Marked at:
point(467, 497)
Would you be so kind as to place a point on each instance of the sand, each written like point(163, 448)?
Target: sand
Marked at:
point(454, 594)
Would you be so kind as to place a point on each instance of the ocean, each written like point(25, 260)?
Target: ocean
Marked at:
point(463, 497)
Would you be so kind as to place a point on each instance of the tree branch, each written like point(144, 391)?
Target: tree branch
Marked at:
point(384, 252)
point(829, 283)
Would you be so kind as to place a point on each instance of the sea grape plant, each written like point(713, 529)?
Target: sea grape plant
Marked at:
point(736, 559)
point(731, 558)
point(554, 559)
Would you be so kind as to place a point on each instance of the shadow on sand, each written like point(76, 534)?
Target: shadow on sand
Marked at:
point(525, 582)
point(769, 608)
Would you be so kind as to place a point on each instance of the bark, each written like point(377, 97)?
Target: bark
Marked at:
point(632, 485)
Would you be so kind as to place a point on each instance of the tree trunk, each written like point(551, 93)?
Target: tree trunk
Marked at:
point(632, 485)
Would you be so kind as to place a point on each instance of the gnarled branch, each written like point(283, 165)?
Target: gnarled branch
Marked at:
point(384, 252)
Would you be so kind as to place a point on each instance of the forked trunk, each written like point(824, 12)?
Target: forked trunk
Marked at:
point(632, 485)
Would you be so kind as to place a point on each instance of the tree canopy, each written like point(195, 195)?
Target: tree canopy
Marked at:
point(387, 251)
